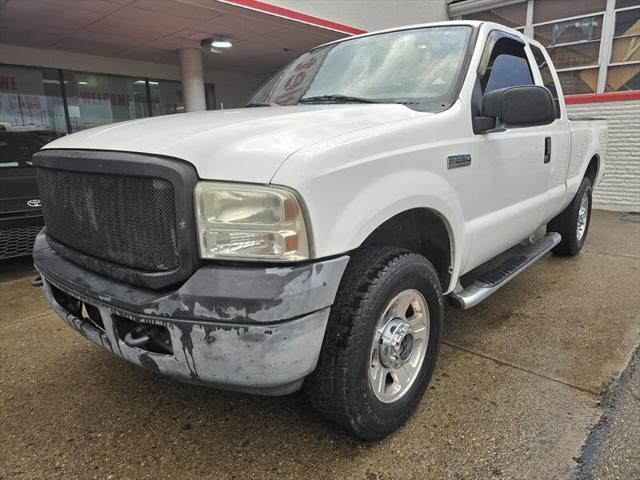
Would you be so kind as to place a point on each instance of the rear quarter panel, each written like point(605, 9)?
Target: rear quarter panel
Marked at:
point(588, 139)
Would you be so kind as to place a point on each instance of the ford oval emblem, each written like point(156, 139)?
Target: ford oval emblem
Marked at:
point(35, 203)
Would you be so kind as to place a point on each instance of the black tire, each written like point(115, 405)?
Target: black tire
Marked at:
point(339, 388)
point(566, 223)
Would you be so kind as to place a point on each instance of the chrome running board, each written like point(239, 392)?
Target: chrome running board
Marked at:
point(490, 281)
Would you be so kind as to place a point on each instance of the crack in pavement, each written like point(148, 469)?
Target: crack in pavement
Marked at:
point(593, 454)
point(523, 369)
point(621, 255)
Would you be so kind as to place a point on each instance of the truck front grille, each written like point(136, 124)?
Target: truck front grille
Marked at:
point(124, 220)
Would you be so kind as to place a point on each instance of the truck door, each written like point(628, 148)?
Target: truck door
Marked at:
point(511, 172)
point(559, 143)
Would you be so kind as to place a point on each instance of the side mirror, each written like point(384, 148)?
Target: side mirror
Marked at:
point(521, 106)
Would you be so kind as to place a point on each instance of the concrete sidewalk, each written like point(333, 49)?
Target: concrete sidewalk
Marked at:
point(516, 394)
point(613, 447)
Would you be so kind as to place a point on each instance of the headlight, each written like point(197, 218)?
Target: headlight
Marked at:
point(247, 222)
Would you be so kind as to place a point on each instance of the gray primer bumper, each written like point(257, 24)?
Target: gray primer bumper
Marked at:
point(251, 329)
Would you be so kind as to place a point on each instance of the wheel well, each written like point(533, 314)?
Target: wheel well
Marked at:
point(592, 169)
point(420, 230)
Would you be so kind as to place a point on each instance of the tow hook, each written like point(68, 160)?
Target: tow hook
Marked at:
point(36, 281)
point(149, 337)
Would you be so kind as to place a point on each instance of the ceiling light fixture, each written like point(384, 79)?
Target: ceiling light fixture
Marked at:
point(221, 44)
point(217, 42)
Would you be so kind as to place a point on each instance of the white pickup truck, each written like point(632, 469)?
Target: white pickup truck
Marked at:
point(311, 240)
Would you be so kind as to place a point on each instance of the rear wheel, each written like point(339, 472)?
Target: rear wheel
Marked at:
point(573, 222)
point(381, 343)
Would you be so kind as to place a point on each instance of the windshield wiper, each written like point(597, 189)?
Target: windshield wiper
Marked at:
point(337, 98)
point(259, 104)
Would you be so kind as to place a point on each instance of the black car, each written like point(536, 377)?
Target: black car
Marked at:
point(20, 212)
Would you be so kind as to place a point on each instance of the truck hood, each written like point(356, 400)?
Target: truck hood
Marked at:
point(247, 144)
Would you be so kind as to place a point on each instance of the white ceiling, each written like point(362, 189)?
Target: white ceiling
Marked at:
point(153, 30)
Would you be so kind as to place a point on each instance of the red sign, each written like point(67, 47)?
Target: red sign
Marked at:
point(115, 99)
point(8, 83)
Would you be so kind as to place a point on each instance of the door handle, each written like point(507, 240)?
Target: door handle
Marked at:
point(547, 149)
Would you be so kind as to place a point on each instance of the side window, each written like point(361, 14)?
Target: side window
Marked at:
point(547, 77)
point(503, 64)
point(508, 71)
point(507, 67)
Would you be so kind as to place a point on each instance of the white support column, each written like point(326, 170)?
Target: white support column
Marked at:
point(606, 44)
point(528, 23)
point(192, 79)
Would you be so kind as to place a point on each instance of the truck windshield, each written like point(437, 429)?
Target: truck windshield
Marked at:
point(409, 66)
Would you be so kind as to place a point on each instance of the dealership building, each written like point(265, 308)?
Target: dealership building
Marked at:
point(68, 65)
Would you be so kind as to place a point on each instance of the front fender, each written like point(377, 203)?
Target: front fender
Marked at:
point(344, 213)
point(379, 201)
point(353, 183)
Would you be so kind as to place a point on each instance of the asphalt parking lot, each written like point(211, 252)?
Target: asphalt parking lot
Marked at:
point(517, 393)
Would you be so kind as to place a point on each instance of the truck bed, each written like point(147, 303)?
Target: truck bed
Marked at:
point(588, 136)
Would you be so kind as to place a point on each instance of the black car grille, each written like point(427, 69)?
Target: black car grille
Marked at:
point(125, 220)
point(17, 241)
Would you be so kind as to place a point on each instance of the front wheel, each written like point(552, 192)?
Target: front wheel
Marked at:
point(381, 343)
point(573, 222)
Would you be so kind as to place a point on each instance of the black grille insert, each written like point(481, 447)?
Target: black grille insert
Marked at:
point(126, 220)
point(18, 241)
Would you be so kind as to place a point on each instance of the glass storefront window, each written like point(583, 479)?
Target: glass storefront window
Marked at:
point(166, 97)
point(623, 77)
point(573, 31)
point(572, 44)
point(626, 43)
point(575, 82)
point(627, 23)
point(626, 49)
point(627, 3)
point(569, 31)
point(549, 10)
point(511, 15)
point(95, 100)
point(210, 96)
point(31, 100)
point(576, 55)
point(624, 69)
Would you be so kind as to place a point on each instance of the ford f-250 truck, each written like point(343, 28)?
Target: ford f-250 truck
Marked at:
point(311, 240)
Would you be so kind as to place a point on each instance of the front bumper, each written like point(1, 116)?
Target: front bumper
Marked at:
point(253, 329)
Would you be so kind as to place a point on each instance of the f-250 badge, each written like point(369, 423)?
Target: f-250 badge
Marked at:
point(457, 161)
